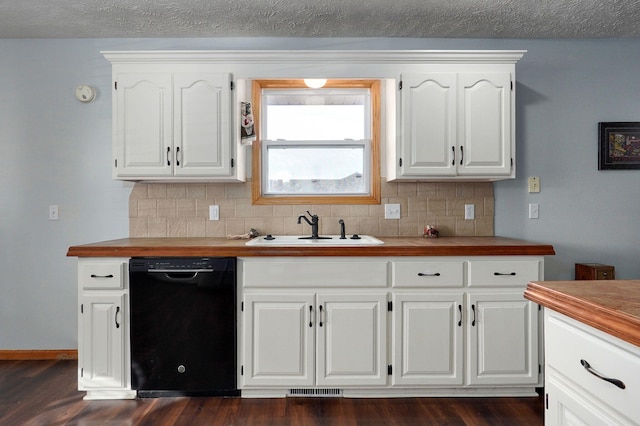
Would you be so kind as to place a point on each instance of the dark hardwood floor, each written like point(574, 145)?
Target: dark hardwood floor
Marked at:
point(45, 393)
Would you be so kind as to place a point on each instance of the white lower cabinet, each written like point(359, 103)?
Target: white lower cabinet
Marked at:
point(503, 339)
point(592, 378)
point(102, 342)
point(360, 326)
point(314, 339)
point(278, 337)
point(103, 335)
point(450, 332)
point(428, 332)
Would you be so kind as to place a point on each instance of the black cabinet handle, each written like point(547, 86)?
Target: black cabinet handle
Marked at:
point(453, 149)
point(320, 323)
point(101, 276)
point(513, 274)
point(616, 382)
point(310, 315)
point(473, 308)
point(168, 154)
point(116, 316)
point(178, 156)
point(460, 311)
point(461, 154)
point(422, 274)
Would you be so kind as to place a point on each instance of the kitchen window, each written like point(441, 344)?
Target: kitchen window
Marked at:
point(316, 146)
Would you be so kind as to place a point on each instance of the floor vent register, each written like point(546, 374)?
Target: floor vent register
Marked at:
point(327, 393)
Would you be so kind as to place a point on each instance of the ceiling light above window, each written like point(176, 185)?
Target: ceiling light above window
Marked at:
point(315, 83)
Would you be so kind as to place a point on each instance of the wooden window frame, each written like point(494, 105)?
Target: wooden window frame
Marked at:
point(256, 161)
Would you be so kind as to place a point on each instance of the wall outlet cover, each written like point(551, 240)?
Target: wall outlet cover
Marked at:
point(469, 211)
point(392, 211)
point(214, 212)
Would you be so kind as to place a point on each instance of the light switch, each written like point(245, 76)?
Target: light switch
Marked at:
point(534, 184)
point(533, 211)
point(53, 212)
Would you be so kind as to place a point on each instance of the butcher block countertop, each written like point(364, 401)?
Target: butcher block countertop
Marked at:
point(393, 246)
point(611, 306)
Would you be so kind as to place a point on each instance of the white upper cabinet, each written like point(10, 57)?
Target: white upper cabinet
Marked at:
point(176, 117)
point(428, 125)
point(454, 125)
point(172, 125)
point(173, 119)
point(484, 124)
point(143, 142)
point(202, 131)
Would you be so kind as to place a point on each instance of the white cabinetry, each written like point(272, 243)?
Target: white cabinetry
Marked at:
point(503, 338)
point(103, 329)
point(315, 339)
point(428, 345)
point(455, 125)
point(592, 378)
point(455, 325)
point(278, 339)
point(428, 326)
point(173, 122)
point(319, 337)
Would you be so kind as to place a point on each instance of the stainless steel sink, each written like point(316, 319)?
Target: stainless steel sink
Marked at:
point(303, 240)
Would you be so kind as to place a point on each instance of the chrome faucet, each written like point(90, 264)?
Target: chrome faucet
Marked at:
point(314, 226)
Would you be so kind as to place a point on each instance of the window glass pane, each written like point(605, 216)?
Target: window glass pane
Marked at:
point(323, 114)
point(320, 169)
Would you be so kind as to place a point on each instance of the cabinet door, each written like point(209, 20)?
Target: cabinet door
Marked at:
point(484, 124)
point(571, 405)
point(503, 338)
point(202, 128)
point(427, 341)
point(352, 339)
point(278, 346)
point(428, 125)
point(143, 125)
point(101, 352)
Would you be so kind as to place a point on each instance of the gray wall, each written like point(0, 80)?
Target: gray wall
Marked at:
point(56, 150)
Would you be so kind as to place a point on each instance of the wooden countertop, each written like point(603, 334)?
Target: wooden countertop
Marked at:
point(612, 306)
point(394, 246)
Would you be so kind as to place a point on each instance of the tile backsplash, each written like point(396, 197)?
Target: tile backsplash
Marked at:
point(182, 210)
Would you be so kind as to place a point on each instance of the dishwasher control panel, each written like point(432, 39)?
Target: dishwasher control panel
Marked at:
point(179, 264)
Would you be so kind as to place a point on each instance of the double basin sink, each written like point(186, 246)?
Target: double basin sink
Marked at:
point(327, 241)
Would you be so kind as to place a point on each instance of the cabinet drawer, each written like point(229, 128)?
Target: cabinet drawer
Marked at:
point(101, 275)
point(568, 344)
point(319, 272)
point(427, 273)
point(503, 273)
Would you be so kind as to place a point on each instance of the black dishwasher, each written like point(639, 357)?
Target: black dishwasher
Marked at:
point(183, 326)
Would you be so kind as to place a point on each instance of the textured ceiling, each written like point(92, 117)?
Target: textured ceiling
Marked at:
point(319, 18)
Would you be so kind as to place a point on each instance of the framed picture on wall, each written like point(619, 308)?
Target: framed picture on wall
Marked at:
point(619, 146)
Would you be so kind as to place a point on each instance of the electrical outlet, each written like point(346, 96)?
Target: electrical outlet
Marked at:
point(53, 212)
point(214, 212)
point(534, 184)
point(392, 211)
point(533, 211)
point(469, 211)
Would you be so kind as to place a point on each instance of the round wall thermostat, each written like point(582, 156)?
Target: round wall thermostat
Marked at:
point(85, 93)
